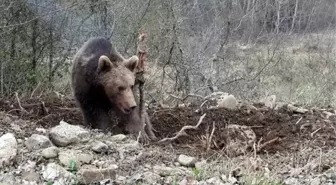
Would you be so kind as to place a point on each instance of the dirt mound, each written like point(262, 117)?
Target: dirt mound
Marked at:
point(288, 128)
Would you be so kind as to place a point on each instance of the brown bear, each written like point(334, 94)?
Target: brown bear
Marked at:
point(102, 81)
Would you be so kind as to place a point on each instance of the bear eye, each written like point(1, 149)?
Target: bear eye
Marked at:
point(132, 86)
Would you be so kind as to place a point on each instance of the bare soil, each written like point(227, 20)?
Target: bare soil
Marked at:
point(268, 124)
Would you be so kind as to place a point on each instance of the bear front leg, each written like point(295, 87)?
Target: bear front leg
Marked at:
point(134, 126)
point(97, 119)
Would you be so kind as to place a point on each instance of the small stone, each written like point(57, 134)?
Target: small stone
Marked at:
point(8, 149)
point(187, 181)
point(89, 176)
point(6, 179)
point(186, 160)
point(65, 134)
point(54, 171)
point(30, 176)
point(65, 157)
point(201, 164)
point(232, 180)
point(99, 147)
point(214, 181)
point(42, 130)
point(315, 181)
point(292, 181)
point(163, 171)
point(50, 152)
point(270, 101)
point(227, 101)
point(297, 109)
point(118, 137)
point(36, 142)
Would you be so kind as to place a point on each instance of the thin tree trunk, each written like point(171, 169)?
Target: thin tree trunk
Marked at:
point(294, 16)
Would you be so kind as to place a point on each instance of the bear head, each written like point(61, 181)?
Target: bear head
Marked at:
point(117, 79)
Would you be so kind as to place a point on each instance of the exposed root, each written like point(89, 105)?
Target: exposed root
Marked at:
point(19, 103)
point(182, 131)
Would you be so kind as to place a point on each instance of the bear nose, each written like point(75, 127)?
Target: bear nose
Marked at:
point(130, 109)
point(133, 107)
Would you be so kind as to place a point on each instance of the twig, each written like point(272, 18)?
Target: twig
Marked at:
point(203, 103)
point(43, 108)
point(18, 100)
point(267, 143)
point(211, 135)
point(33, 92)
point(312, 134)
point(298, 121)
point(182, 131)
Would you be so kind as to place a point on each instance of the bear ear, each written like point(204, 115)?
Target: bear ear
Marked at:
point(132, 63)
point(104, 64)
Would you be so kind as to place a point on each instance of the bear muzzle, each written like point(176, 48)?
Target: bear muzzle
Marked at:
point(129, 110)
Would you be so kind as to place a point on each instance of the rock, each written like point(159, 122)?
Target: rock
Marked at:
point(65, 134)
point(186, 160)
point(118, 137)
point(227, 101)
point(188, 181)
point(42, 130)
point(270, 101)
point(201, 164)
point(50, 152)
point(65, 157)
point(54, 172)
point(164, 171)
point(30, 176)
point(214, 181)
point(292, 181)
point(88, 176)
point(36, 142)
point(296, 109)
point(6, 179)
point(8, 149)
point(99, 147)
point(315, 181)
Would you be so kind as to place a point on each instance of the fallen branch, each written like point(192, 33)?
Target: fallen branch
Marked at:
point(260, 147)
point(18, 100)
point(211, 135)
point(182, 131)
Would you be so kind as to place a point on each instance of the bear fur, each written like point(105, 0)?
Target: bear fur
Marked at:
point(102, 81)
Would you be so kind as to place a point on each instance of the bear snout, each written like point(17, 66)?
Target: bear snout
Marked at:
point(128, 110)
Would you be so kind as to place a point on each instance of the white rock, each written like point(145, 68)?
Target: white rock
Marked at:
point(54, 171)
point(227, 101)
point(270, 101)
point(315, 181)
point(89, 176)
point(99, 147)
point(201, 164)
point(292, 181)
point(65, 157)
point(6, 179)
point(165, 171)
point(214, 181)
point(30, 176)
point(8, 149)
point(65, 134)
point(50, 152)
point(297, 109)
point(118, 137)
point(36, 142)
point(186, 160)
